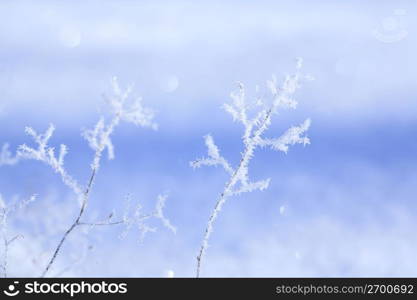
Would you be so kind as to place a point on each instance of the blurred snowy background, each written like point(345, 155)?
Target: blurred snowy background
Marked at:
point(343, 206)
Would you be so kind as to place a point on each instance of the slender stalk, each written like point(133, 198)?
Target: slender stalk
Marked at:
point(74, 225)
point(100, 223)
point(246, 155)
point(99, 140)
point(86, 194)
point(210, 223)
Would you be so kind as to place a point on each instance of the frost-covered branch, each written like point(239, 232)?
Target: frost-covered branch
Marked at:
point(253, 137)
point(46, 154)
point(292, 136)
point(123, 108)
point(214, 158)
point(131, 111)
point(99, 139)
point(136, 217)
point(159, 213)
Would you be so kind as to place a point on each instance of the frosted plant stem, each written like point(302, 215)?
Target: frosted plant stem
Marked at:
point(217, 208)
point(101, 223)
point(254, 128)
point(209, 229)
point(99, 140)
point(224, 195)
point(74, 225)
point(95, 166)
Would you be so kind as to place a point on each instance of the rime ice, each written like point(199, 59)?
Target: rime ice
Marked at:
point(252, 138)
point(122, 108)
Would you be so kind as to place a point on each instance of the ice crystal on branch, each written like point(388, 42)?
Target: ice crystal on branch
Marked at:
point(122, 108)
point(137, 218)
point(98, 138)
point(131, 111)
point(293, 135)
point(46, 154)
point(256, 117)
point(214, 156)
point(159, 213)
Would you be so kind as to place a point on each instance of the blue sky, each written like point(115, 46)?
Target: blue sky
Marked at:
point(347, 200)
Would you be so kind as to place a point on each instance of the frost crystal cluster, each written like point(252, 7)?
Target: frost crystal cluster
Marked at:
point(122, 108)
point(253, 138)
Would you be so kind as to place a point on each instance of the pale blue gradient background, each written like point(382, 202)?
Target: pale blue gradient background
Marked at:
point(349, 196)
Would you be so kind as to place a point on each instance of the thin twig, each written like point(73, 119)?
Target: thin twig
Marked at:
point(101, 223)
point(75, 224)
point(99, 140)
point(223, 197)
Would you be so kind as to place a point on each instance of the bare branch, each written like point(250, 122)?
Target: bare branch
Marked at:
point(99, 139)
